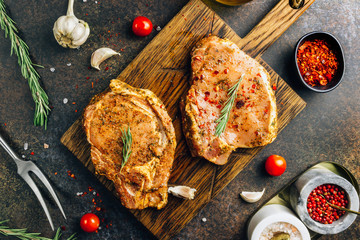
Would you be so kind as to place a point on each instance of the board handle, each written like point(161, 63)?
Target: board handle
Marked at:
point(271, 27)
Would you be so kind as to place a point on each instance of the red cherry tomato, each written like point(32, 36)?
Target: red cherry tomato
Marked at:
point(89, 222)
point(275, 165)
point(142, 26)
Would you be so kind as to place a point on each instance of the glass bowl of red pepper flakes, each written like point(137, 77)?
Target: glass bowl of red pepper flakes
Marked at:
point(309, 195)
point(319, 61)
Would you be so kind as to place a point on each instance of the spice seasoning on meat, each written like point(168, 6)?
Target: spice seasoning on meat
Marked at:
point(317, 62)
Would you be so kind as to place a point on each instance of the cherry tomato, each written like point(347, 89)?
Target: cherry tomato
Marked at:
point(142, 26)
point(89, 222)
point(275, 165)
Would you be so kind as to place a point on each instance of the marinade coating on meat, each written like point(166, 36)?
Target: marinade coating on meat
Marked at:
point(217, 64)
point(142, 182)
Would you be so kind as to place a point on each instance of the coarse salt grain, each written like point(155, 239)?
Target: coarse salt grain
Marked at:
point(158, 28)
point(84, 0)
point(52, 69)
point(79, 193)
point(26, 146)
point(204, 219)
point(68, 64)
point(65, 101)
point(23, 156)
point(94, 193)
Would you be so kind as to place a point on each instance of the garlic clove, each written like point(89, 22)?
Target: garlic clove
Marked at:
point(101, 55)
point(80, 33)
point(182, 192)
point(252, 197)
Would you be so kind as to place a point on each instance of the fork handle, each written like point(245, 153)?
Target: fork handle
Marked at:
point(8, 149)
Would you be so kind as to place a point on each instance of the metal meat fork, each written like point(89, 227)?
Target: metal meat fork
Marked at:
point(24, 167)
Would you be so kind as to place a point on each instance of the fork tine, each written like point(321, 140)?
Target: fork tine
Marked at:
point(44, 180)
point(35, 189)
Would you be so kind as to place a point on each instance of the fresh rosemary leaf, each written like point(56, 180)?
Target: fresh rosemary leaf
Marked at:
point(23, 235)
point(127, 141)
point(225, 111)
point(21, 50)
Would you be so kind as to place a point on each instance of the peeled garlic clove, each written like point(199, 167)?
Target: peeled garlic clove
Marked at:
point(252, 197)
point(101, 55)
point(182, 192)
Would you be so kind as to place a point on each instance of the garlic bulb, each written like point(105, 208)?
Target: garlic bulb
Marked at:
point(182, 192)
point(101, 55)
point(69, 31)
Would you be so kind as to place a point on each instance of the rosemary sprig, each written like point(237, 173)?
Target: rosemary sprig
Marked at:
point(127, 141)
point(225, 112)
point(19, 47)
point(23, 235)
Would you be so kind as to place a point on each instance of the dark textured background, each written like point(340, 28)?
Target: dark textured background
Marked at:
point(327, 130)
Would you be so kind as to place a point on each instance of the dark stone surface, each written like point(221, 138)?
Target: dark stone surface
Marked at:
point(328, 128)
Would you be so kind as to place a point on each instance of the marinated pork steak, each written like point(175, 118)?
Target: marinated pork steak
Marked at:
point(217, 65)
point(142, 182)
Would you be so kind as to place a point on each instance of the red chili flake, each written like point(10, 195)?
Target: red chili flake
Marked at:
point(216, 72)
point(197, 58)
point(87, 78)
point(84, 194)
point(218, 106)
point(252, 91)
point(73, 103)
point(317, 62)
point(63, 228)
point(253, 86)
point(71, 174)
point(55, 173)
point(5, 124)
point(202, 126)
point(92, 84)
point(98, 209)
point(107, 68)
point(76, 86)
point(89, 68)
point(226, 71)
point(75, 110)
point(274, 87)
point(90, 189)
point(86, 14)
point(161, 106)
point(32, 153)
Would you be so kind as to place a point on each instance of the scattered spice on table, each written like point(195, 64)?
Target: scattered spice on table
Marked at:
point(70, 174)
point(317, 62)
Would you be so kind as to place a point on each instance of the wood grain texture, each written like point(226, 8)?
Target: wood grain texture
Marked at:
point(164, 67)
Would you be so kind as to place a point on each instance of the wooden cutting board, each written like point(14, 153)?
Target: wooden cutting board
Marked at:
point(163, 67)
